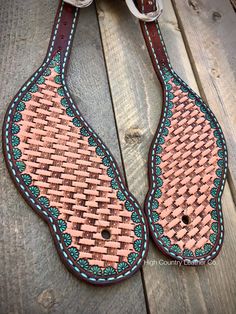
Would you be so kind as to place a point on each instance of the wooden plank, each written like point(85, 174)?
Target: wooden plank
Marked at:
point(233, 3)
point(137, 102)
point(212, 48)
point(135, 89)
point(33, 279)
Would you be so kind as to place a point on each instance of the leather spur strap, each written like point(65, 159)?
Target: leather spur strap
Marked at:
point(187, 165)
point(66, 173)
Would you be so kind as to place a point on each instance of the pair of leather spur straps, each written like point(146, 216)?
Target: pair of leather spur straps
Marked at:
point(68, 176)
point(187, 160)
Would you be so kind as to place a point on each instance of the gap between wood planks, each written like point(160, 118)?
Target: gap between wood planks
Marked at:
point(233, 2)
point(120, 148)
point(112, 103)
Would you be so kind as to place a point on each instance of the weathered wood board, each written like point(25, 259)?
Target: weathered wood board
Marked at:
point(212, 51)
point(233, 3)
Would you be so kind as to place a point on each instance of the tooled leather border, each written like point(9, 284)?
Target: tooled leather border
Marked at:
point(47, 219)
point(160, 51)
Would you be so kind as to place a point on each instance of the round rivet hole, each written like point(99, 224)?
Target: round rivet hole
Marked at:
point(106, 234)
point(186, 219)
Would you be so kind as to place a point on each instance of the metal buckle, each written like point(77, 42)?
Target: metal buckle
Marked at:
point(79, 3)
point(146, 17)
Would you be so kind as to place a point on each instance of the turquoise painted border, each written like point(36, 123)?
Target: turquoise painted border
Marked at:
point(165, 243)
point(17, 154)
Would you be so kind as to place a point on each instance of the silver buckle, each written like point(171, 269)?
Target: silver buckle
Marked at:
point(79, 3)
point(146, 17)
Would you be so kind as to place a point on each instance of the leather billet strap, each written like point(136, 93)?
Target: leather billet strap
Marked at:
point(153, 39)
point(63, 30)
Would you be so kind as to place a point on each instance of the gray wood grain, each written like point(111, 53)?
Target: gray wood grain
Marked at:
point(32, 278)
point(209, 31)
point(233, 3)
point(137, 96)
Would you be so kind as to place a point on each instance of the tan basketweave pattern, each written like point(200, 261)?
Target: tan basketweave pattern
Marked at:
point(189, 161)
point(70, 173)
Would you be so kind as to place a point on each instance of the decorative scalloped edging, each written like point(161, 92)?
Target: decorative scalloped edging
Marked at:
point(41, 203)
point(210, 250)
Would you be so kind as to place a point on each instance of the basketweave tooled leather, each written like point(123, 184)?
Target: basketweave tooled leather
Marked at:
point(67, 174)
point(187, 165)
